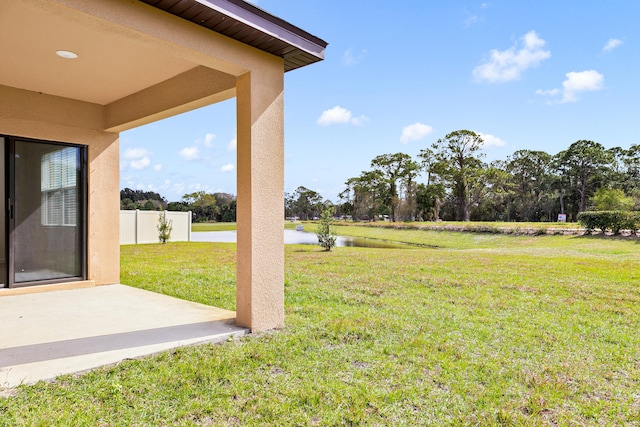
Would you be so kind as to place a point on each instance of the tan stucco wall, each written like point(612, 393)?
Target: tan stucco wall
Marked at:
point(103, 254)
point(260, 275)
point(40, 116)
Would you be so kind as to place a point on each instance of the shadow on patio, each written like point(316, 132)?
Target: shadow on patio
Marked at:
point(44, 335)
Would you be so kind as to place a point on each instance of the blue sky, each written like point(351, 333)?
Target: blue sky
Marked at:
point(399, 75)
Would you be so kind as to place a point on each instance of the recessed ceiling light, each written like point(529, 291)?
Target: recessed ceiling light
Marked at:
point(66, 54)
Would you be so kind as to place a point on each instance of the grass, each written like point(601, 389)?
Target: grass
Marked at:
point(526, 228)
point(494, 227)
point(497, 224)
point(213, 226)
point(480, 329)
point(411, 234)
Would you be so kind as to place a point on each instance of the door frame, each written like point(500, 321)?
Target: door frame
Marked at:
point(10, 198)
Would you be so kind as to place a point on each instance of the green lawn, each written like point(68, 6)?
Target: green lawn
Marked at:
point(531, 228)
point(471, 329)
point(213, 226)
point(347, 227)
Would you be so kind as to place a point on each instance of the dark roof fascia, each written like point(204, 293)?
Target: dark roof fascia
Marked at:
point(264, 21)
point(306, 48)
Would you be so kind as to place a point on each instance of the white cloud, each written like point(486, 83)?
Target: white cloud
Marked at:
point(198, 187)
point(415, 132)
point(134, 153)
point(472, 17)
point(157, 167)
point(359, 121)
point(576, 82)
point(338, 115)
point(208, 139)
point(136, 158)
point(489, 140)
point(227, 168)
point(151, 187)
point(351, 59)
point(335, 115)
point(509, 64)
point(581, 81)
point(140, 163)
point(611, 44)
point(190, 153)
point(548, 92)
point(233, 145)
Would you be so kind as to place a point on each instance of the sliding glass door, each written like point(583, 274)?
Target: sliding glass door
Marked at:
point(46, 212)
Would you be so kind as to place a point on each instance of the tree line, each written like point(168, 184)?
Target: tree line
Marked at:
point(205, 207)
point(142, 200)
point(530, 185)
point(450, 180)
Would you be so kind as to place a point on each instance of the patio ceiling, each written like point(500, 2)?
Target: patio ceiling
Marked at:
point(113, 65)
point(109, 66)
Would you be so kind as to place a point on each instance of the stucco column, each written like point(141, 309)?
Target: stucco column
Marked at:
point(260, 175)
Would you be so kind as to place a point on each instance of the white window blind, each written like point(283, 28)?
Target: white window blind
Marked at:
point(59, 171)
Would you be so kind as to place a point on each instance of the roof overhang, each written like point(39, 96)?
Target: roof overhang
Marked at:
point(251, 25)
point(144, 60)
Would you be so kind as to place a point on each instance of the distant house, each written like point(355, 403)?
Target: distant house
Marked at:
point(75, 73)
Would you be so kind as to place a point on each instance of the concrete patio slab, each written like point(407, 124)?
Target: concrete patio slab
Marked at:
point(44, 335)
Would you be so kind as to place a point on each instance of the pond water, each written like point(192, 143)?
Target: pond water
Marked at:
point(293, 237)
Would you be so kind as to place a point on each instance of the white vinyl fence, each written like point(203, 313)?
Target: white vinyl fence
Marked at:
point(142, 226)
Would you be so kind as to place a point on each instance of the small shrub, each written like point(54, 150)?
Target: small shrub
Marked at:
point(588, 221)
point(632, 222)
point(326, 232)
point(164, 228)
point(617, 220)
